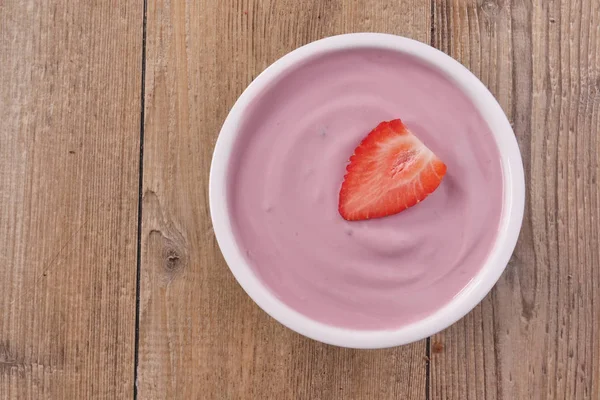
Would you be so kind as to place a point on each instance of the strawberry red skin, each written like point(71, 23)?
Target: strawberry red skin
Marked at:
point(390, 171)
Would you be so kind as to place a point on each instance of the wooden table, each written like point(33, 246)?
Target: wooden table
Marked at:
point(111, 283)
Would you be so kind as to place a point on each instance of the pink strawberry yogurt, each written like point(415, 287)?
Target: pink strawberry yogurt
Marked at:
point(289, 163)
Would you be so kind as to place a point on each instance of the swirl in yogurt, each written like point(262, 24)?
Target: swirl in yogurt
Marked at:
point(289, 163)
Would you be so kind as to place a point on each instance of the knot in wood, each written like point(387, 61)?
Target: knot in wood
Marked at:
point(172, 260)
point(490, 7)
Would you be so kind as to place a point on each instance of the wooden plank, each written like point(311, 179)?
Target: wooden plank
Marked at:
point(69, 154)
point(537, 335)
point(200, 334)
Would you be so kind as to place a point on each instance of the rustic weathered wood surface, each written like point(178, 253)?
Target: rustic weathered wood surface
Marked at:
point(200, 334)
point(71, 96)
point(537, 335)
point(69, 154)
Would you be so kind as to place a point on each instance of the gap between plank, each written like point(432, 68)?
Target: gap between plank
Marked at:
point(140, 198)
point(432, 23)
point(428, 340)
point(427, 367)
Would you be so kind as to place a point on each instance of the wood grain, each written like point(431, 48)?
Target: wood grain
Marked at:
point(537, 335)
point(200, 334)
point(69, 154)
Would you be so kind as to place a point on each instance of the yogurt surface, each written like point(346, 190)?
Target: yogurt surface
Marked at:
point(286, 172)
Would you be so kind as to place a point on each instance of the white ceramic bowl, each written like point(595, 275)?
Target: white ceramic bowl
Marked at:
point(463, 302)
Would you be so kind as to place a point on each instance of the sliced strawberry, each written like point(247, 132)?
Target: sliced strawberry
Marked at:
point(389, 171)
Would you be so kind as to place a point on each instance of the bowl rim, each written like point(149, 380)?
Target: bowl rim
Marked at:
point(464, 301)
